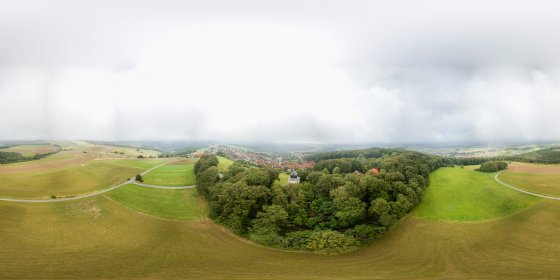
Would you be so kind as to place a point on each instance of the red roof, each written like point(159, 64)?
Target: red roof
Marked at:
point(374, 170)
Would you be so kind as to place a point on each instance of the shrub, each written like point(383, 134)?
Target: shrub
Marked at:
point(493, 166)
point(365, 233)
point(296, 239)
point(330, 242)
point(205, 162)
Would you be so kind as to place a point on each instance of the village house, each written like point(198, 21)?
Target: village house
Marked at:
point(375, 170)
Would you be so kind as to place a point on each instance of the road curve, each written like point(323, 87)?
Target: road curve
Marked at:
point(523, 191)
point(94, 193)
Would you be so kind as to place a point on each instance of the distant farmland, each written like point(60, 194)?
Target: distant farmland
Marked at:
point(70, 172)
point(31, 150)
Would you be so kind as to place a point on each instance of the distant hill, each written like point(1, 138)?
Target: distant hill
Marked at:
point(548, 155)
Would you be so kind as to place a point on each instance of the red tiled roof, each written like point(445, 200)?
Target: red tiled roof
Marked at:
point(374, 170)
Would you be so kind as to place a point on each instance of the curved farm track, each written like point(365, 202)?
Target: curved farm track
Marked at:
point(61, 199)
point(522, 190)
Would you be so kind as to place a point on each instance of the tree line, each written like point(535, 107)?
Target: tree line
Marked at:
point(332, 210)
point(12, 157)
point(547, 155)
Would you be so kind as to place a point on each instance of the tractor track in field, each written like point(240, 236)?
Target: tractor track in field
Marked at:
point(523, 191)
point(131, 181)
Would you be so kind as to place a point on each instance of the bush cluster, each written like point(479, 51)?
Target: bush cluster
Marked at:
point(493, 166)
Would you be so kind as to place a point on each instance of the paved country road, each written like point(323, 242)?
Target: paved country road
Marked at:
point(98, 192)
point(523, 191)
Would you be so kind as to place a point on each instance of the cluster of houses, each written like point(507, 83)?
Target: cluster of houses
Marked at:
point(469, 154)
point(289, 162)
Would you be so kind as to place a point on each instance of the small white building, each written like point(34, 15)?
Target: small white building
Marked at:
point(294, 178)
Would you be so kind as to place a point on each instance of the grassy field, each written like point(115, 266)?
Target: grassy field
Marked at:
point(283, 178)
point(224, 163)
point(136, 163)
point(114, 152)
point(184, 204)
point(121, 235)
point(31, 150)
point(464, 195)
point(172, 175)
point(69, 172)
point(538, 178)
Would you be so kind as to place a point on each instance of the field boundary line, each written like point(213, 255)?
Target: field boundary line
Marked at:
point(523, 191)
point(80, 196)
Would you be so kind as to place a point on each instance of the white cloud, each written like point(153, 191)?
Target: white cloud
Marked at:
point(330, 72)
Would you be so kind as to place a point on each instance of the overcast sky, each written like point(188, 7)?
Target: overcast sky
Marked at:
point(281, 71)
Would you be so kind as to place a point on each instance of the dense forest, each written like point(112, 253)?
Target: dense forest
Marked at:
point(348, 199)
point(368, 153)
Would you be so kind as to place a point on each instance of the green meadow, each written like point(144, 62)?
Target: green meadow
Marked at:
point(224, 163)
point(461, 194)
point(172, 175)
point(182, 204)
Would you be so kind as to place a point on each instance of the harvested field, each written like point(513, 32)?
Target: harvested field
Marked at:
point(538, 178)
point(534, 168)
point(31, 150)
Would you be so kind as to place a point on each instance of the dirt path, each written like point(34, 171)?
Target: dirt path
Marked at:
point(523, 191)
point(98, 192)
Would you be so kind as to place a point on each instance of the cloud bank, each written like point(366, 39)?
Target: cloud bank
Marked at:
point(312, 71)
